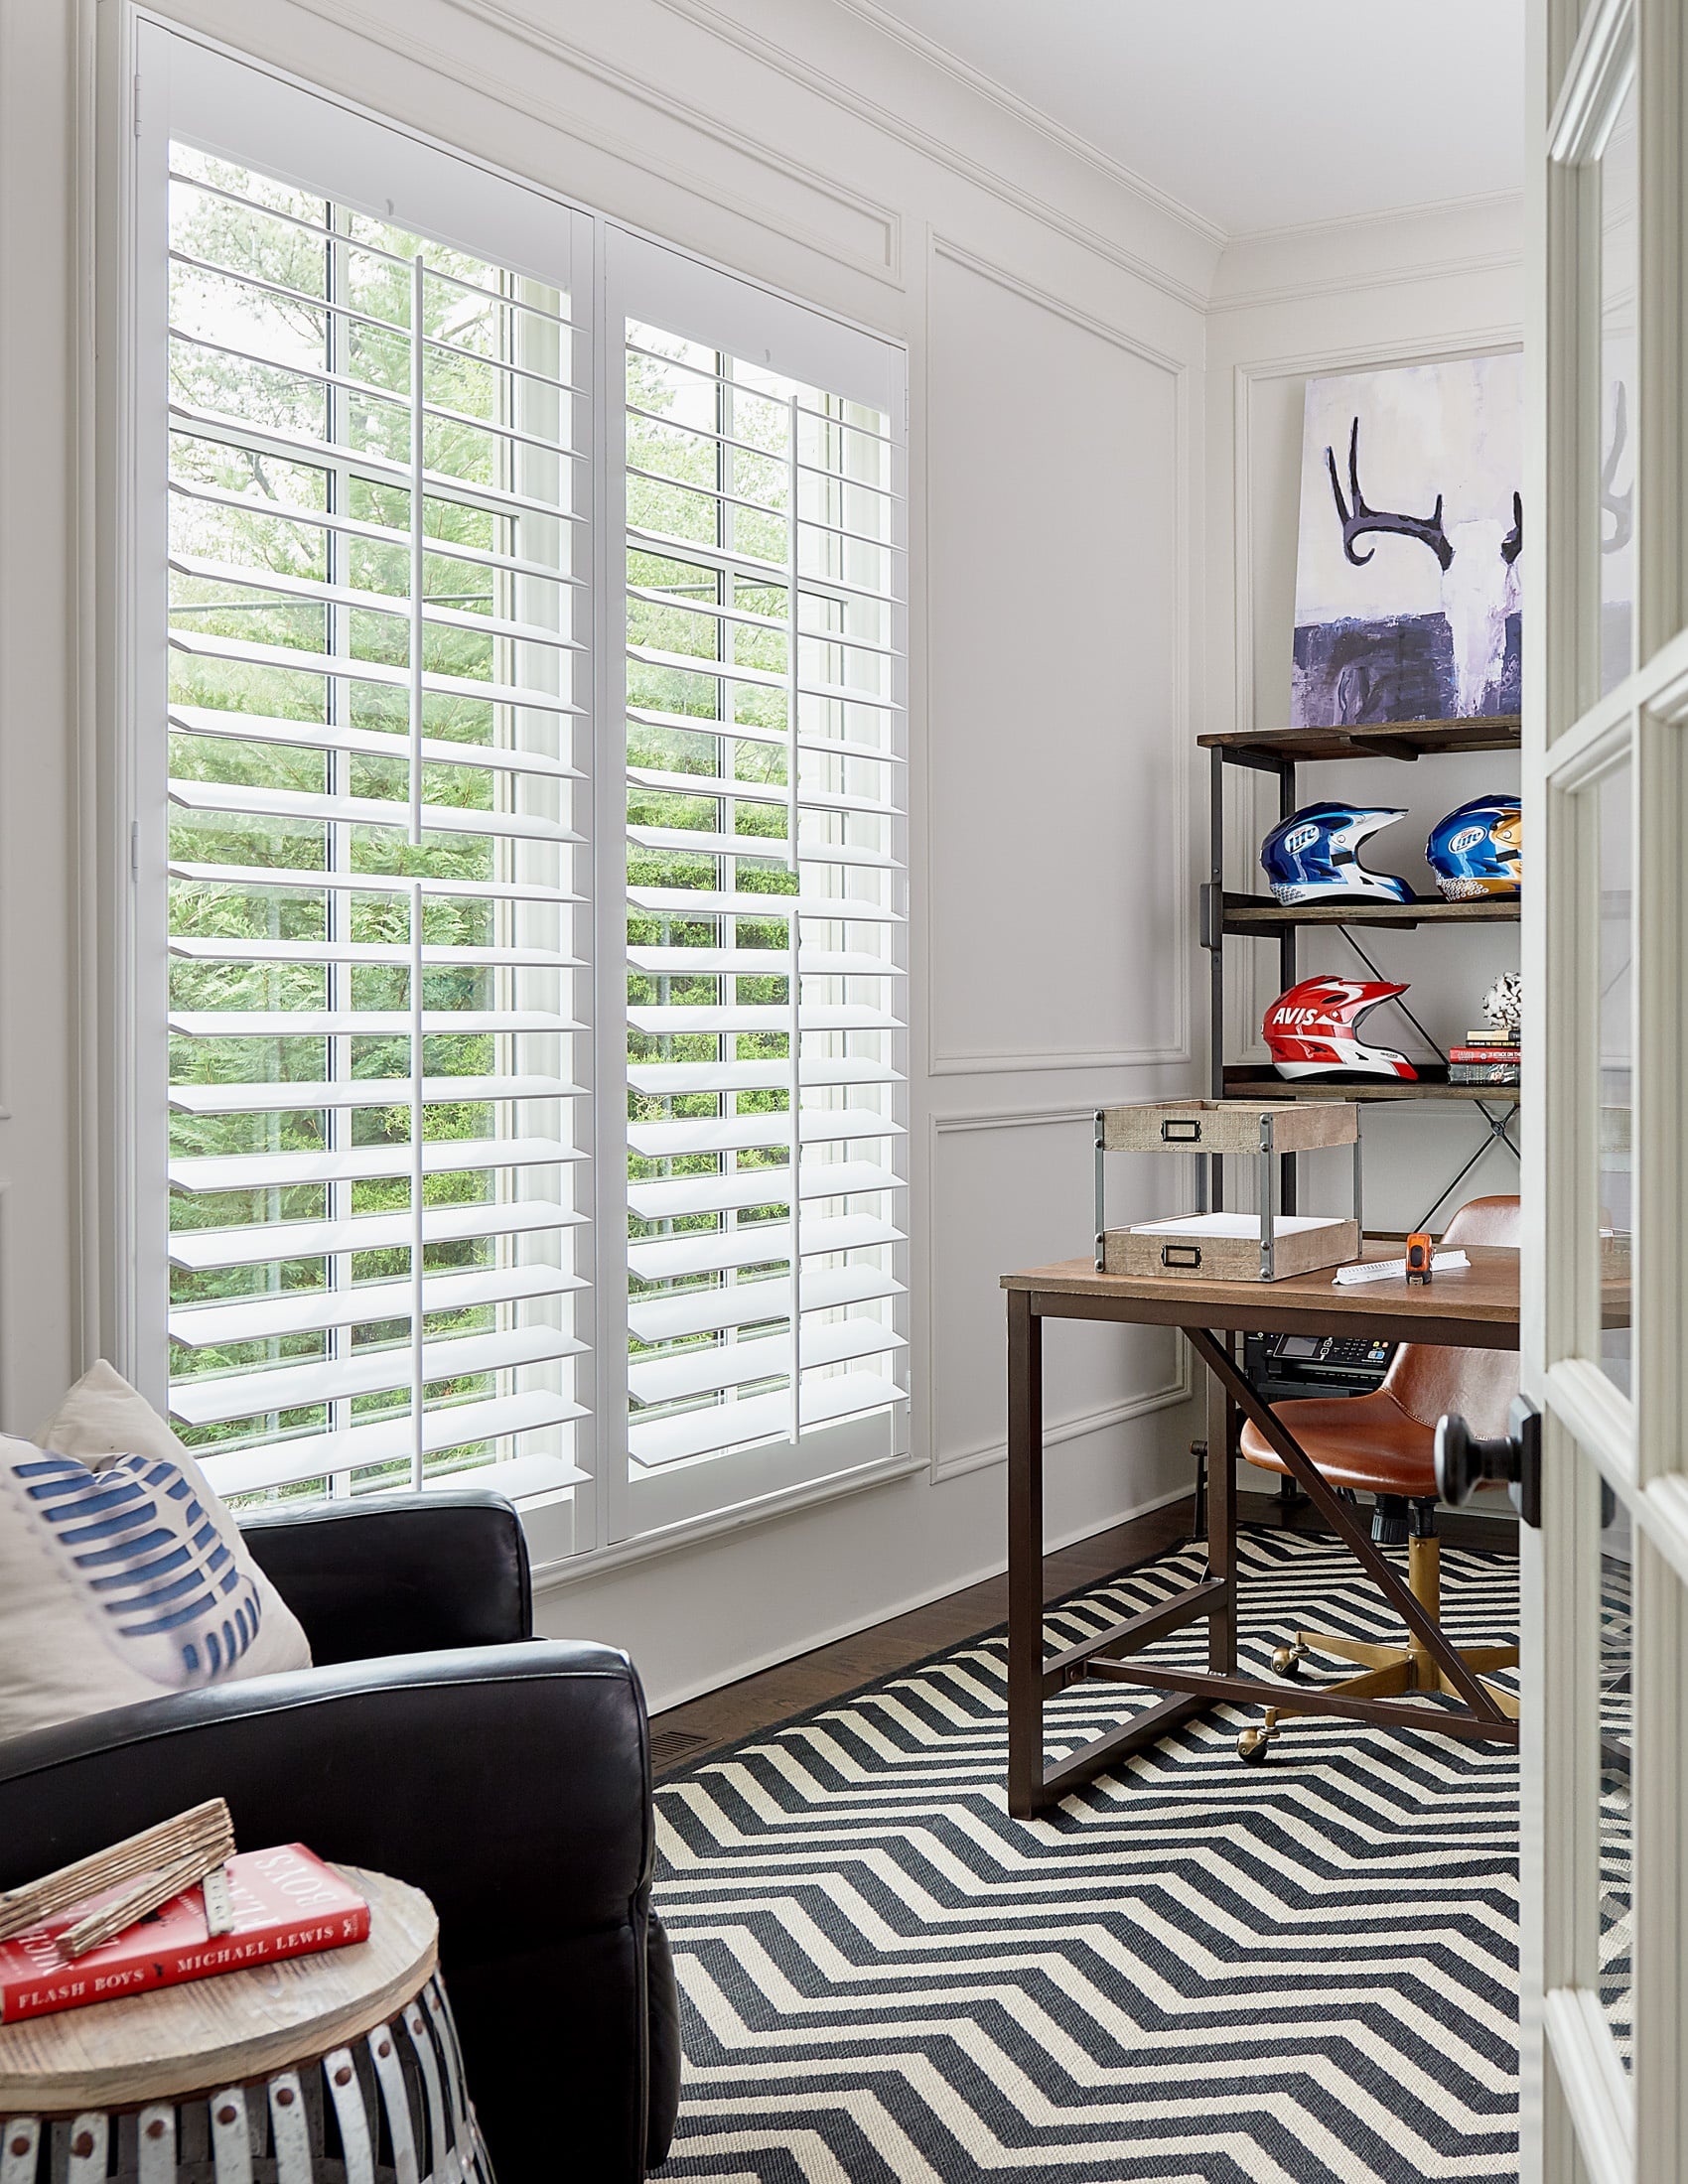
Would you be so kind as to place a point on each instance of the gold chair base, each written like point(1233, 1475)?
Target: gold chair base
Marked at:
point(1386, 1672)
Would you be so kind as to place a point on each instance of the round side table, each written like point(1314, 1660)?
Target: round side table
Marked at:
point(337, 2069)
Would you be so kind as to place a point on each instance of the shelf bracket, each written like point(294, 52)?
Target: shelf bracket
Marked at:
point(1380, 749)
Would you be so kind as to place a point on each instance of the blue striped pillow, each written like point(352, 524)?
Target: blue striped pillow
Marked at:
point(149, 1560)
point(123, 1575)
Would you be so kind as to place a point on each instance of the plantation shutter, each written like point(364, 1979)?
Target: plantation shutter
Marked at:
point(377, 730)
point(766, 893)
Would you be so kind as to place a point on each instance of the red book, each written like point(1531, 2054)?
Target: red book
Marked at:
point(1498, 1057)
point(287, 1903)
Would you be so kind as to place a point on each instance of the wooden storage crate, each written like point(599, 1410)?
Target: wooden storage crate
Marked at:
point(1227, 1126)
point(1229, 1247)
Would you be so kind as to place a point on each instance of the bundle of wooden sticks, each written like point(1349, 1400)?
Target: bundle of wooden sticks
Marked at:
point(160, 1862)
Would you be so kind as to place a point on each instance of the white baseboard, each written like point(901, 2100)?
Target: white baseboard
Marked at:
point(778, 1655)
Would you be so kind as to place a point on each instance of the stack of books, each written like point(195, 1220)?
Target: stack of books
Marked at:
point(284, 1902)
point(1488, 1056)
point(170, 1904)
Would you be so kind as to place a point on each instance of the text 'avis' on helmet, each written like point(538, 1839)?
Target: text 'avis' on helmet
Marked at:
point(1314, 856)
point(1479, 849)
point(1313, 1029)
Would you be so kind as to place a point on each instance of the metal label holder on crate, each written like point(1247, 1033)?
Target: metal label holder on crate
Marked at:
point(1214, 1129)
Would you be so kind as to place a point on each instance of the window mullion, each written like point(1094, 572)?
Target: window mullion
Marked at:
point(418, 459)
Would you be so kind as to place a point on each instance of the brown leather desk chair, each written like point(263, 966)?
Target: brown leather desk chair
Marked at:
point(1384, 1444)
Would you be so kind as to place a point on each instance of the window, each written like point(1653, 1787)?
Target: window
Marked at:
point(517, 925)
point(765, 760)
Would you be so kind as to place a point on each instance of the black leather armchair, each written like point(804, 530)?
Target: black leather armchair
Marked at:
point(436, 1739)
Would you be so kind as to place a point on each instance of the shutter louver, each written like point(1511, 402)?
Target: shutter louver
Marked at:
point(377, 661)
point(766, 906)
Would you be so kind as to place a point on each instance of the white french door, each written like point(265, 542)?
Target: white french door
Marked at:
point(1606, 1614)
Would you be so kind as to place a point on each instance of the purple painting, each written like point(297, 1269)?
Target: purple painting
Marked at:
point(1407, 577)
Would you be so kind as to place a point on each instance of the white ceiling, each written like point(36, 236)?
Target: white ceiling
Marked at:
point(1261, 113)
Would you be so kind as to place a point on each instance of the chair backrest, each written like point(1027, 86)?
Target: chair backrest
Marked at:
point(1426, 1380)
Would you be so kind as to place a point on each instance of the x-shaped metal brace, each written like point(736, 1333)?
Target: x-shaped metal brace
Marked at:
point(1499, 1123)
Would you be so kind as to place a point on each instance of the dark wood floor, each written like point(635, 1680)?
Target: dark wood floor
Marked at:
point(688, 1732)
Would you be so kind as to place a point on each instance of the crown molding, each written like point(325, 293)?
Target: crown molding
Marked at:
point(702, 15)
point(1034, 118)
point(1443, 240)
point(1079, 148)
point(1482, 200)
point(1347, 284)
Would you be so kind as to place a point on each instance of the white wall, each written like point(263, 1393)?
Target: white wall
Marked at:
point(1056, 328)
point(1104, 434)
point(1351, 296)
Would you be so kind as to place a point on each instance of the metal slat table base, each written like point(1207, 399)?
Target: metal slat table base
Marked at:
point(392, 2108)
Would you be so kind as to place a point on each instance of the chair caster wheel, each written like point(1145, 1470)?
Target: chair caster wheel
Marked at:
point(1285, 1662)
point(1253, 1745)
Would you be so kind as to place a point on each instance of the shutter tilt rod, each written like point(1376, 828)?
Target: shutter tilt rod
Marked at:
point(417, 1281)
point(793, 924)
point(418, 389)
point(417, 394)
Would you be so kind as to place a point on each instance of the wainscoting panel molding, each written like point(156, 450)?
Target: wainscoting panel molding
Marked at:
point(981, 1237)
point(780, 193)
point(1072, 948)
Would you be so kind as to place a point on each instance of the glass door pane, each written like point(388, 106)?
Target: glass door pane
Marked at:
point(1617, 845)
point(1617, 505)
point(1616, 1819)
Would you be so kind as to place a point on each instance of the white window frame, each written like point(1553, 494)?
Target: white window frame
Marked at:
point(147, 68)
point(651, 283)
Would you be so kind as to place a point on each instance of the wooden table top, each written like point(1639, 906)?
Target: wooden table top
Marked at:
point(178, 2040)
point(1474, 1307)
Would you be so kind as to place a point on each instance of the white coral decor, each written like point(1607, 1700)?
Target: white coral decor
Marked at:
point(1503, 1004)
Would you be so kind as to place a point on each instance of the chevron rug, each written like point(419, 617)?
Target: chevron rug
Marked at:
point(1303, 1972)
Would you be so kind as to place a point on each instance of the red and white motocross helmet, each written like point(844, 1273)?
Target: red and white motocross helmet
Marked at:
point(1313, 1029)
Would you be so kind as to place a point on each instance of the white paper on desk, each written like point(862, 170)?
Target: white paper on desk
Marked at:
point(1392, 1269)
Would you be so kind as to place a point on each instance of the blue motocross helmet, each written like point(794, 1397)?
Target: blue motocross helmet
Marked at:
point(1314, 857)
point(1479, 849)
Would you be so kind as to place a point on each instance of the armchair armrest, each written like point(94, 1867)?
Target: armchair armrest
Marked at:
point(511, 1784)
point(447, 1769)
point(399, 1572)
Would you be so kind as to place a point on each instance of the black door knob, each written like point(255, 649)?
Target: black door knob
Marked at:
point(1464, 1459)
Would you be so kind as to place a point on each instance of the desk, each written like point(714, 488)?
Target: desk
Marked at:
point(1474, 1307)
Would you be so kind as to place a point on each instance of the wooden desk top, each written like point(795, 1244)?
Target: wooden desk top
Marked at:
point(1472, 1307)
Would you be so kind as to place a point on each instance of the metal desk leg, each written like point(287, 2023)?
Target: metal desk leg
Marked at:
point(1024, 1556)
point(1221, 1527)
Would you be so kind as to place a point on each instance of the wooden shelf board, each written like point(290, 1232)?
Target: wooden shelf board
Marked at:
point(1403, 740)
point(1243, 1085)
point(1246, 913)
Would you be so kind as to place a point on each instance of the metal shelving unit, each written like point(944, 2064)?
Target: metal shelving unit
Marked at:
point(1224, 916)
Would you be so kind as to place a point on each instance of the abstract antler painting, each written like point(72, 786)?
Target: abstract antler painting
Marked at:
point(1411, 525)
